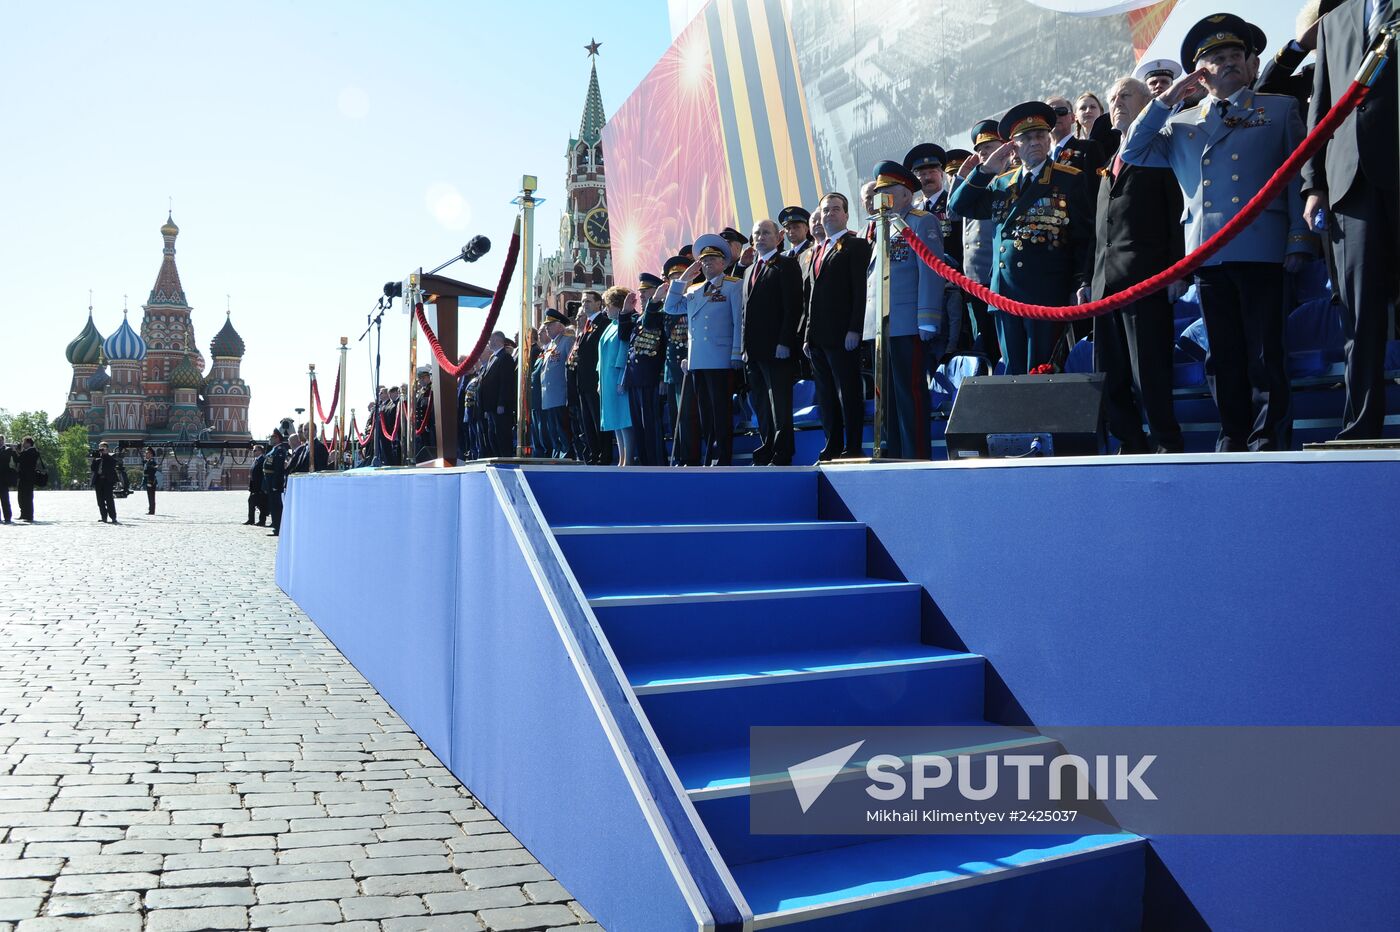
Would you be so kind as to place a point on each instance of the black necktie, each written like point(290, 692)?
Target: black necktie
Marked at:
point(1223, 106)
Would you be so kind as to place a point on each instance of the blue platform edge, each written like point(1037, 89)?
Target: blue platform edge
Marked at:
point(505, 678)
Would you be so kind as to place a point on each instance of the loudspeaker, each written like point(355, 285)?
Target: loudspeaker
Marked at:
point(1028, 415)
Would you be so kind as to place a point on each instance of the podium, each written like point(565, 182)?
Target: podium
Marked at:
point(446, 294)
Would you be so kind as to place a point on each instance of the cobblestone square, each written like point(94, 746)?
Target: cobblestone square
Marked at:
point(182, 749)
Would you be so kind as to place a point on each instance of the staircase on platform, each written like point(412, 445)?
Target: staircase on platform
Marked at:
point(729, 602)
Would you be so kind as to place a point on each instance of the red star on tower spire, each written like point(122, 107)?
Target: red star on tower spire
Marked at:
point(592, 47)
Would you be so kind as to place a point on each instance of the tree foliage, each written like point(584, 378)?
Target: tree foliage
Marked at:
point(65, 454)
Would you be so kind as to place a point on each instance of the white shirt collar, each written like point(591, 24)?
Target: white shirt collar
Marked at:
point(838, 235)
point(768, 255)
point(1033, 172)
point(1234, 98)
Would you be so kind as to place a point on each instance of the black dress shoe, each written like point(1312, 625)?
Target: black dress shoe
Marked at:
point(827, 455)
point(781, 461)
point(857, 453)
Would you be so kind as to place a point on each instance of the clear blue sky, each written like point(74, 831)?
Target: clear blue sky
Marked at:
point(305, 145)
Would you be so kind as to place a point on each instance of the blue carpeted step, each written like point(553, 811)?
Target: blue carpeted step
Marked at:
point(634, 559)
point(593, 495)
point(648, 631)
point(794, 665)
point(959, 882)
point(943, 690)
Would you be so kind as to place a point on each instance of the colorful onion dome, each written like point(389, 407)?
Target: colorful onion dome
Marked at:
point(185, 375)
point(168, 228)
point(226, 342)
point(98, 380)
point(65, 421)
point(125, 344)
point(86, 348)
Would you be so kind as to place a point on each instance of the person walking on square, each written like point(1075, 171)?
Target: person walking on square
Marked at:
point(148, 478)
point(7, 477)
point(28, 471)
point(257, 498)
point(104, 480)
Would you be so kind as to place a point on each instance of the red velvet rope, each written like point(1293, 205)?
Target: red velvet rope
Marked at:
point(335, 398)
point(456, 369)
point(1188, 264)
point(394, 435)
point(427, 413)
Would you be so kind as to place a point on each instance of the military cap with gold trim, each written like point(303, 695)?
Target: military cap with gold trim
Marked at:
point(1219, 31)
point(794, 215)
point(986, 131)
point(712, 244)
point(1027, 117)
point(648, 280)
point(676, 264)
point(888, 174)
point(559, 317)
point(731, 235)
point(924, 155)
point(955, 159)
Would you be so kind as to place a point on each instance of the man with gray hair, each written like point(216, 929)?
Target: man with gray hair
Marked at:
point(772, 292)
point(1139, 234)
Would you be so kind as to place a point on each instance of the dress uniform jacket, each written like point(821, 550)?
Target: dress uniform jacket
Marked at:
point(715, 314)
point(1220, 163)
point(646, 349)
point(1043, 247)
point(918, 295)
point(554, 388)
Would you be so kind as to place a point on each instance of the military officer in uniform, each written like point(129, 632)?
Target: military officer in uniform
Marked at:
point(797, 230)
point(685, 418)
point(274, 470)
point(918, 321)
point(737, 241)
point(1043, 248)
point(714, 307)
point(554, 389)
point(646, 355)
point(1222, 153)
point(978, 248)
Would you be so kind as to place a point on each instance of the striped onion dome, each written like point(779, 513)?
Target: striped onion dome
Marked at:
point(86, 346)
point(185, 375)
point(125, 344)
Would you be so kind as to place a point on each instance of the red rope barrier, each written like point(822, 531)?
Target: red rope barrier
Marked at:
point(335, 398)
point(1184, 267)
point(388, 435)
point(456, 369)
point(422, 425)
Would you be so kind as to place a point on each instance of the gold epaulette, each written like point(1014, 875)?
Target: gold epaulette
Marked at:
point(1008, 172)
point(1066, 168)
point(916, 212)
point(731, 278)
point(691, 289)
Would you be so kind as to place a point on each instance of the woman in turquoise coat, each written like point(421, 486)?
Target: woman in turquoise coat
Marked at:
point(612, 364)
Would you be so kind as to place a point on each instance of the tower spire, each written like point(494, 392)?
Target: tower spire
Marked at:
point(590, 130)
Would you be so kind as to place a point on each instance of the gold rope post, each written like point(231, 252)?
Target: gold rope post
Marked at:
point(344, 400)
point(527, 201)
point(406, 397)
point(883, 205)
point(312, 415)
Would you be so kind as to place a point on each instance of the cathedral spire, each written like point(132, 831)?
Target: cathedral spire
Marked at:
point(168, 291)
point(590, 130)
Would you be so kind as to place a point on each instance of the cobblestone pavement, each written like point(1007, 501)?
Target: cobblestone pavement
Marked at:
point(181, 749)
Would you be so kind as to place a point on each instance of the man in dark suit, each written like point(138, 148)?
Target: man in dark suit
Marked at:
point(257, 499)
point(592, 323)
point(496, 395)
point(1352, 182)
point(104, 480)
point(27, 470)
point(1068, 149)
point(772, 292)
point(7, 478)
point(833, 326)
point(1139, 235)
point(274, 471)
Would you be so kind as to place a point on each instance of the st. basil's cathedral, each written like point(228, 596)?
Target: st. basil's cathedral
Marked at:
point(157, 392)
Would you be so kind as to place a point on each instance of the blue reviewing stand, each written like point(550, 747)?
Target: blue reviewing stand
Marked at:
point(586, 649)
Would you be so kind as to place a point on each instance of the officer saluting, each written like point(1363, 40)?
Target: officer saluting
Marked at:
point(714, 308)
point(1223, 152)
point(1044, 242)
point(685, 418)
point(918, 323)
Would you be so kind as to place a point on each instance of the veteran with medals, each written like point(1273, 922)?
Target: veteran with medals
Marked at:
point(1043, 248)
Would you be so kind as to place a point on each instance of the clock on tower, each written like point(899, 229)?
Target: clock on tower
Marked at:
point(595, 227)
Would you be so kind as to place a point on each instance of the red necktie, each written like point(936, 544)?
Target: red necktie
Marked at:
point(1117, 166)
point(758, 267)
point(817, 259)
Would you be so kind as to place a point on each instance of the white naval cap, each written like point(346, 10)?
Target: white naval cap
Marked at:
point(1154, 65)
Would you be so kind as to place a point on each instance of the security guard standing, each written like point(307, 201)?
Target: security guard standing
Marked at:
point(274, 469)
point(1044, 241)
point(1223, 152)
point(714, 307)
point(424, 430)
point(918, 322)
